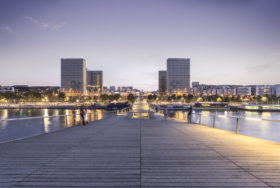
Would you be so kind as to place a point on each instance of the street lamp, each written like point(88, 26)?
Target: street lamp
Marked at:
point(264, 99)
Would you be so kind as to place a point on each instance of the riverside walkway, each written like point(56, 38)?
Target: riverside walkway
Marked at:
point(124, 152)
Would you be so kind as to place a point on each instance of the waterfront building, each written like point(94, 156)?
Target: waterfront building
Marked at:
point(125, 89)
point(230, 91)
point(112, 89)
point(214, 91)
point(264, 90)
point(195, 84)
point(178, 74)
point(73, 76)
point(243, 91)
point(220, 91)
point(105, 89)
point(277, 90)
point(21, 88)
point(44, 88)
point(162, 82)
point(5, 89)
point(95, 81)
point(196, 91)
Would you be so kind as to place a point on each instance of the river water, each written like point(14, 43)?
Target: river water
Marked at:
point(16, 129)
point(251, 125)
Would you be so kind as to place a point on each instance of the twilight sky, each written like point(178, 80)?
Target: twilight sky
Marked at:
point(228, 41)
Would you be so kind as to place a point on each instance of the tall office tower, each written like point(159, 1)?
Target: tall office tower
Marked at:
point(162, 82)
point(73, 75)
point(178, 74)
point(95, 81)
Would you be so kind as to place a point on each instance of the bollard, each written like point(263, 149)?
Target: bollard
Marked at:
point(199, 122)
point(214, 117)
point(237, 125)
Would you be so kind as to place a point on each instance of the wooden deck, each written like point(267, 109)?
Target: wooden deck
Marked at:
point(120, 152)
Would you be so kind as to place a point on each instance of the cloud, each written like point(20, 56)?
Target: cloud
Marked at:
point(261, 66)
point(6, 28)
point(44, 25)
point(271, 64)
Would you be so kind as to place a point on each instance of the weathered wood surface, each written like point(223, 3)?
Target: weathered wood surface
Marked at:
point(121, 152)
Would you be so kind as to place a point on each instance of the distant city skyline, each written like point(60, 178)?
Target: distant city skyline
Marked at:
point(228, 41)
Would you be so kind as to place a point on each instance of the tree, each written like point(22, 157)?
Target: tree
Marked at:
point(32, 96)
point(150, 97)
point(226, 99)
point(179, 97)
point(173, 97)
point(238, 98)
point(10, 96)
point(104, 97)
point(114, 97)
point(189, 97)
point(259, 98)
point(61, 96)
point(131, 98)
point(219, 99)
point(117, 96)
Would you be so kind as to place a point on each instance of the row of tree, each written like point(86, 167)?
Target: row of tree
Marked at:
point(32, 96)
point(51, 96)
point(115, 97)
point(215, 98)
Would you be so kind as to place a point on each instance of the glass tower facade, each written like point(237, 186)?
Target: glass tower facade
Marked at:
point(178, 74)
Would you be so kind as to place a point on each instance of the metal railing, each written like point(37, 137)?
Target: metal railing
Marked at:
point(232, 117)
point(214, 117)
point(123, 110)
point(37, 125)
point(46, 116)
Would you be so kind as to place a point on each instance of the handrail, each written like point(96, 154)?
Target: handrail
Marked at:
point(240, 117)
point(228, 116)
point(40, 117)
point(237, 120)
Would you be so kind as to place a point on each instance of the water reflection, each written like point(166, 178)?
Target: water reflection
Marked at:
point(266, 115)
point(46, 124)
point(4, 116)
point(253, 125)
point(50, 120)
point(46, 112)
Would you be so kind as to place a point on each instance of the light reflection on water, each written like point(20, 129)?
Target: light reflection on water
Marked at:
point(10, 130)
point(4, 115)
point(251, 126)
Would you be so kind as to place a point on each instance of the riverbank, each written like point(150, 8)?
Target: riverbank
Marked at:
point(219, 106)
point(70, 106)
point(39, 105)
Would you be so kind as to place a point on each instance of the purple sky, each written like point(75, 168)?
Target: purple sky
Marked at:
point(228, 41)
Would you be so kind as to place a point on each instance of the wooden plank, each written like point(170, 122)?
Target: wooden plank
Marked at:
point(120, 152)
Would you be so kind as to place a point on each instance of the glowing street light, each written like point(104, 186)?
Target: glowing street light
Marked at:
point(264, 99)
point(199, 99)
point(46, 99)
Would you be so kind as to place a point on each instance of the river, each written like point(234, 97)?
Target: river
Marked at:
point(252, 124)
point(53, 119)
